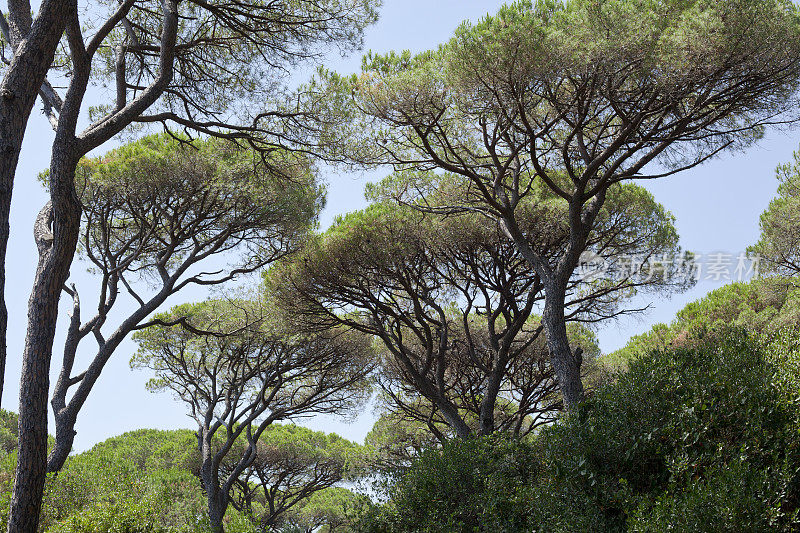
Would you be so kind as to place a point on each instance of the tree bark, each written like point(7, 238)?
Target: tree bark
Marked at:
point(64, 439)
point(216, 498)
point(18, 91)
point(565, 365)
point(450, 414)
point(446, 407)
point(566, 369)
point(56, 251)
point(490, 400)
point(216, 510)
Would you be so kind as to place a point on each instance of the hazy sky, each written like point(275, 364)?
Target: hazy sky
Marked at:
point(716, 205)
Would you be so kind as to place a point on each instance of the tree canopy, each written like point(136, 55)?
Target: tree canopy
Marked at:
point(155, 210)
point(293, 478)
point(238, 373)
point(193, 68)
point(453, 303)
point(778, 249)
point(510, 225)
point(579, 95)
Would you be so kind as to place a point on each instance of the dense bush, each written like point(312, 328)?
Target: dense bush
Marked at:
point(666, 438)
point(139, 481)
point(694, 438)
point(467, 485)
point(142, 481)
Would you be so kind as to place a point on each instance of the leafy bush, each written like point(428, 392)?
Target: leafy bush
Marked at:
point(115, 516)
point(696, 438)
point(466, 485)
point(680, 430)
point(139, 481)
point(730, 497)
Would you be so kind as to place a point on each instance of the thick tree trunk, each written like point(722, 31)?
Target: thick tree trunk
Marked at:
point(216, 510)
point(435, 394)
point(565, 365)
point(18, 92)
point(56, 251)
point(446, 407)
point(6, 168)
point(489, 401)
point(216, 498)
point(450, 414)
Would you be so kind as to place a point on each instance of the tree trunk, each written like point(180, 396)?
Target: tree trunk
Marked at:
point(450, 414)
point(564, 363)
point(566, 369)
point(65, 438)
point(489, 401)
point(18, 92)
point(446, 407)
point(216, 510)
point(56, 251)
point(7, 168)
point(216, 500)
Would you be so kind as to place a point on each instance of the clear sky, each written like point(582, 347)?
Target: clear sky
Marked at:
point(716, 205)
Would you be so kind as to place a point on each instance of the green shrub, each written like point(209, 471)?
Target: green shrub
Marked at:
point(477, 484)
point(114, 516)
point(141, 480)
point(728, 498)
point(695, 438)
point(666, 438)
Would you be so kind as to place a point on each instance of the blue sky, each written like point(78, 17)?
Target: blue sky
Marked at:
point(716, 206)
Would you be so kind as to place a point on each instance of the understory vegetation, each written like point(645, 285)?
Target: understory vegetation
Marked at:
point(701, 438)
point(148, 481)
